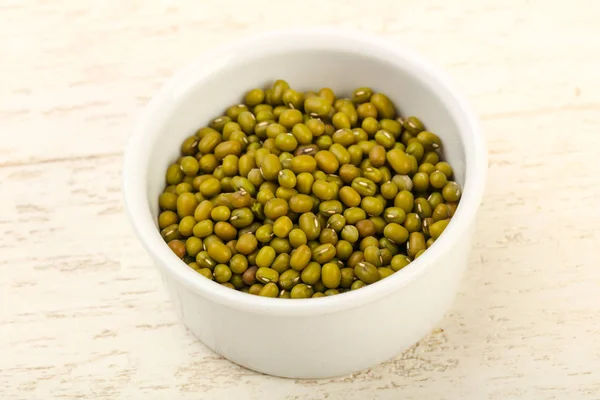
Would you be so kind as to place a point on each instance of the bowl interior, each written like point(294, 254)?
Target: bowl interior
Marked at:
point(194, 102)
point(308, 59)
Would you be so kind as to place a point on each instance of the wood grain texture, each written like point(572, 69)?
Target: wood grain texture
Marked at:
point(82, 312)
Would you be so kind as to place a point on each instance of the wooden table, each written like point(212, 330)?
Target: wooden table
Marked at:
point(82, 312)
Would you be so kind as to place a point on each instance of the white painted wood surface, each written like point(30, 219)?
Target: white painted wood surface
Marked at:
point(82, 313)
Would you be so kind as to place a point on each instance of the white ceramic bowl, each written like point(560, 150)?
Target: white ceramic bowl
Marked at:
point(322, 337)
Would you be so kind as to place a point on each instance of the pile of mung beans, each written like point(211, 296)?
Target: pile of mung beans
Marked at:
point(296, 194)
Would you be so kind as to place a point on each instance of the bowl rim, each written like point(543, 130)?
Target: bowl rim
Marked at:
point(472, 138)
